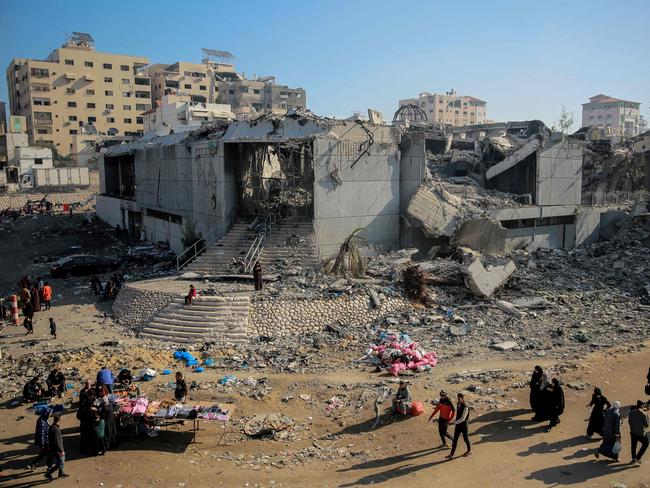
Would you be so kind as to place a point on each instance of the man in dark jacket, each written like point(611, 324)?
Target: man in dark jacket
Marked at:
point(57, 452)
point(556, 403)
point(28, 313)
point(41, 438)
point(638, 421)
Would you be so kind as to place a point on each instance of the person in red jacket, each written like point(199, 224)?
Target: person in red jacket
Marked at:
point(447, 413)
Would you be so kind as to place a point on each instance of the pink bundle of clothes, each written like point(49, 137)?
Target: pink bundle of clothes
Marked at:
point(399, 353)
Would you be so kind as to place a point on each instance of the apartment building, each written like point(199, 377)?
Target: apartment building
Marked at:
point(194, 80)
point(178, 113)
point(615, 117)
point(218, 82)
point(247, 97)
point(450, 108)
point(77, 90)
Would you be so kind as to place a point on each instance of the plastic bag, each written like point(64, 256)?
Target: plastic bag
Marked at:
point(617, 447)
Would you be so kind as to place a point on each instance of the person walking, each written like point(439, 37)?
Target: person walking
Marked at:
point(460, 427)
point(556, 403)
point(257, 276)
point(600, 404)
point(52, 327)
point(47, 296)
point(28, 313)
point(57, 452)
point(638, 421)
point(36, 299)
point(610, 446)
point(538, 384)
point(41, 438)
point(447, 412)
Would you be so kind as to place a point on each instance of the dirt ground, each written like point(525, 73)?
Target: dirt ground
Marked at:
point(329, 446)
point(336, 448)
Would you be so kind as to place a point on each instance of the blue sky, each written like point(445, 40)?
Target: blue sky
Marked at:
point(526, 59)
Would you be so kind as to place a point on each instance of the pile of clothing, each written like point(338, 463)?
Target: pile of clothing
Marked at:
point(398, 353)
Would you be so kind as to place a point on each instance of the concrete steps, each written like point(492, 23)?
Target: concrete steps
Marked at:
point(291, 242)
point(209, 318)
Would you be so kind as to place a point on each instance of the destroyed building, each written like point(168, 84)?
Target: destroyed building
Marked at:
point(328, 178)
point(340, 175)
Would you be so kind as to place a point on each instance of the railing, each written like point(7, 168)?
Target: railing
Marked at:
point(614, 197)
point(254, 252)
point(313, 226)
point(193, 251)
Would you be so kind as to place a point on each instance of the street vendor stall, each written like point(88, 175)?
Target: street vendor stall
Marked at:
point(140, 416)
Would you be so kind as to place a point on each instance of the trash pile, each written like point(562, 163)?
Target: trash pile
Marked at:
point(399, 353)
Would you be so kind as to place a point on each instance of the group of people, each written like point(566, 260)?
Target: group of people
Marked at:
point(49, 441)
point(97, 426)
point(34, 391)
point(547, 401)
point(546, 398)
point(111, 289)
point(34, 297)
point(448, 414)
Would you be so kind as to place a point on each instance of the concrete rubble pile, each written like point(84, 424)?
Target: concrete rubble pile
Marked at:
point(611, 167)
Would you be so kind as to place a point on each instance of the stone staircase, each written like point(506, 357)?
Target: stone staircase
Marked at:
point(219, 258)
point(209, 318)
point(290, 242)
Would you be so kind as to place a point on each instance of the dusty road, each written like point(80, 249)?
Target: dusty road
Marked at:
point(509, 449)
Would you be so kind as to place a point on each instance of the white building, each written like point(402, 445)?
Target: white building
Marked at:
point(176, 113)
point(615, 117)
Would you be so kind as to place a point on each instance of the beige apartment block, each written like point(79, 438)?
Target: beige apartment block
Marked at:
point(450, 108)
point(194, 80)
point(77, 90)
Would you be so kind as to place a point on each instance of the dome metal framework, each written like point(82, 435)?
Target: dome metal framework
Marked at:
point(410, 112)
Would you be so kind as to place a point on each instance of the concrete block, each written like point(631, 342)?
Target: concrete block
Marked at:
point(437, 215)
point(483, 281)
point(484, 234)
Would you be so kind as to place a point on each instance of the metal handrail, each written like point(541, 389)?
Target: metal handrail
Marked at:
point(254, 252)
point(313, 226)
point(194, 251)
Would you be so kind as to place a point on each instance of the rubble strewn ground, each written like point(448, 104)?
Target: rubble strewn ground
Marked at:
point(582, 313)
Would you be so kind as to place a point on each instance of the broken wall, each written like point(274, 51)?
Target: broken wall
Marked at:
point(163, 184)
point(559, 174)
point(366, 195)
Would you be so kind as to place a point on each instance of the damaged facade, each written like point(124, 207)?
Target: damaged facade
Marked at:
point(491, 190)
point(340, 175)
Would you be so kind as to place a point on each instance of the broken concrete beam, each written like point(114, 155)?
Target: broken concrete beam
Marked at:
point(482, 281)
point(487, 235)
point(509, 308)
point(436, 212)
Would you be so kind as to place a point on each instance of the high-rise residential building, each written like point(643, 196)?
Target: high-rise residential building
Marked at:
point(78, 90)
point(450, 108)
point(615, 117)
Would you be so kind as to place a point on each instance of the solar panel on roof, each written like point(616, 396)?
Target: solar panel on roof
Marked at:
point(217, 53)
point(83, 36)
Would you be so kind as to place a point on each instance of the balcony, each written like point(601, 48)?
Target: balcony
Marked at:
point(140, 94)
point(40, 73)
point(139, 80)
point(42, 122)
point(89, 77)
point(70, 76)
